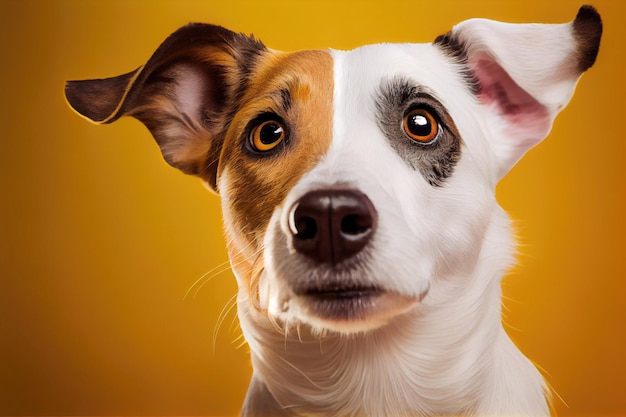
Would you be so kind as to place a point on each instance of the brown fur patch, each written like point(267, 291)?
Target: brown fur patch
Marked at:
point(186, 94)
point(296, 88)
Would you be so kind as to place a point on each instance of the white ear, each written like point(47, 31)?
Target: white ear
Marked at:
point(524, 74)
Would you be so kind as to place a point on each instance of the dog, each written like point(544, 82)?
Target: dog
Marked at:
point(357, 190)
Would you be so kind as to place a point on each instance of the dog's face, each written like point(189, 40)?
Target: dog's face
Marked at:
point(358, 185)
point(391, 194)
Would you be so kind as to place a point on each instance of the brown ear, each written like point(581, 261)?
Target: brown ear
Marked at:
point(183, 94)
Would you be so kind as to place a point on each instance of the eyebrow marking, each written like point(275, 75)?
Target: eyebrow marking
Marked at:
point(282, 99)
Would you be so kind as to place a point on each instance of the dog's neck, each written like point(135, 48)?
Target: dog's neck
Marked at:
point(448, 356)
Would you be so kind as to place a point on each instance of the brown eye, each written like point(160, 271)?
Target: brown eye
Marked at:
point(267, 135)
point(421, 126)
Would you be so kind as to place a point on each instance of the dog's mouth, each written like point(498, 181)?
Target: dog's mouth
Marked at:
point(353, 304)
point(342, 292)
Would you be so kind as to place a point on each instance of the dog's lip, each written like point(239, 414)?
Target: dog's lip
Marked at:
point(338, 292)
point(357, 303)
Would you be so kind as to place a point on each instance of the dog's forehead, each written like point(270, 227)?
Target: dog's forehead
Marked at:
point(367, 68)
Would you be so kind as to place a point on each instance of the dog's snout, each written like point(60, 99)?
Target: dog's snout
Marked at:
point(332, 225)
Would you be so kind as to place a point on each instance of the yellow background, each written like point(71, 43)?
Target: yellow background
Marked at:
point(100, 239)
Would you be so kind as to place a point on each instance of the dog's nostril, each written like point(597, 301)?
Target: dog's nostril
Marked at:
point(355, 225)
point(332, 225)
point(305, 228)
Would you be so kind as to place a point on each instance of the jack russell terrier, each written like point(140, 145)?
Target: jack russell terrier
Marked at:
point(358, 199)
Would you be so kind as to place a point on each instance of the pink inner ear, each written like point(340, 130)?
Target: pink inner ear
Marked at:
point(190, 91)
point(528, 119)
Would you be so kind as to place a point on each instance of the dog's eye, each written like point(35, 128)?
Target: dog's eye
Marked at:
point(267, 135)
point(421, 126)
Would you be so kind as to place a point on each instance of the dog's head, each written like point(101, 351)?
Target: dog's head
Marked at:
point(354, 184)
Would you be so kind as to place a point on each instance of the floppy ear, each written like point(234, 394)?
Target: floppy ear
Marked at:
point(524, 74)
point(183, 94)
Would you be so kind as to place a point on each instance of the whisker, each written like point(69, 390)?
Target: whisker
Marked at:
point(230, 304)
point(242, 343)
point(276, 325)
point(225, 268)
point(234, 324)
point(240, 340)
point(203, 279)
point(298, 332)
point(214, 272)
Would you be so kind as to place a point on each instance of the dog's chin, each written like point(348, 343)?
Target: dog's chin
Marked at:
point(350, 310)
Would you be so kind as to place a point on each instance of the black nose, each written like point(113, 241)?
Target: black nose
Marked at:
point(331, 225)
